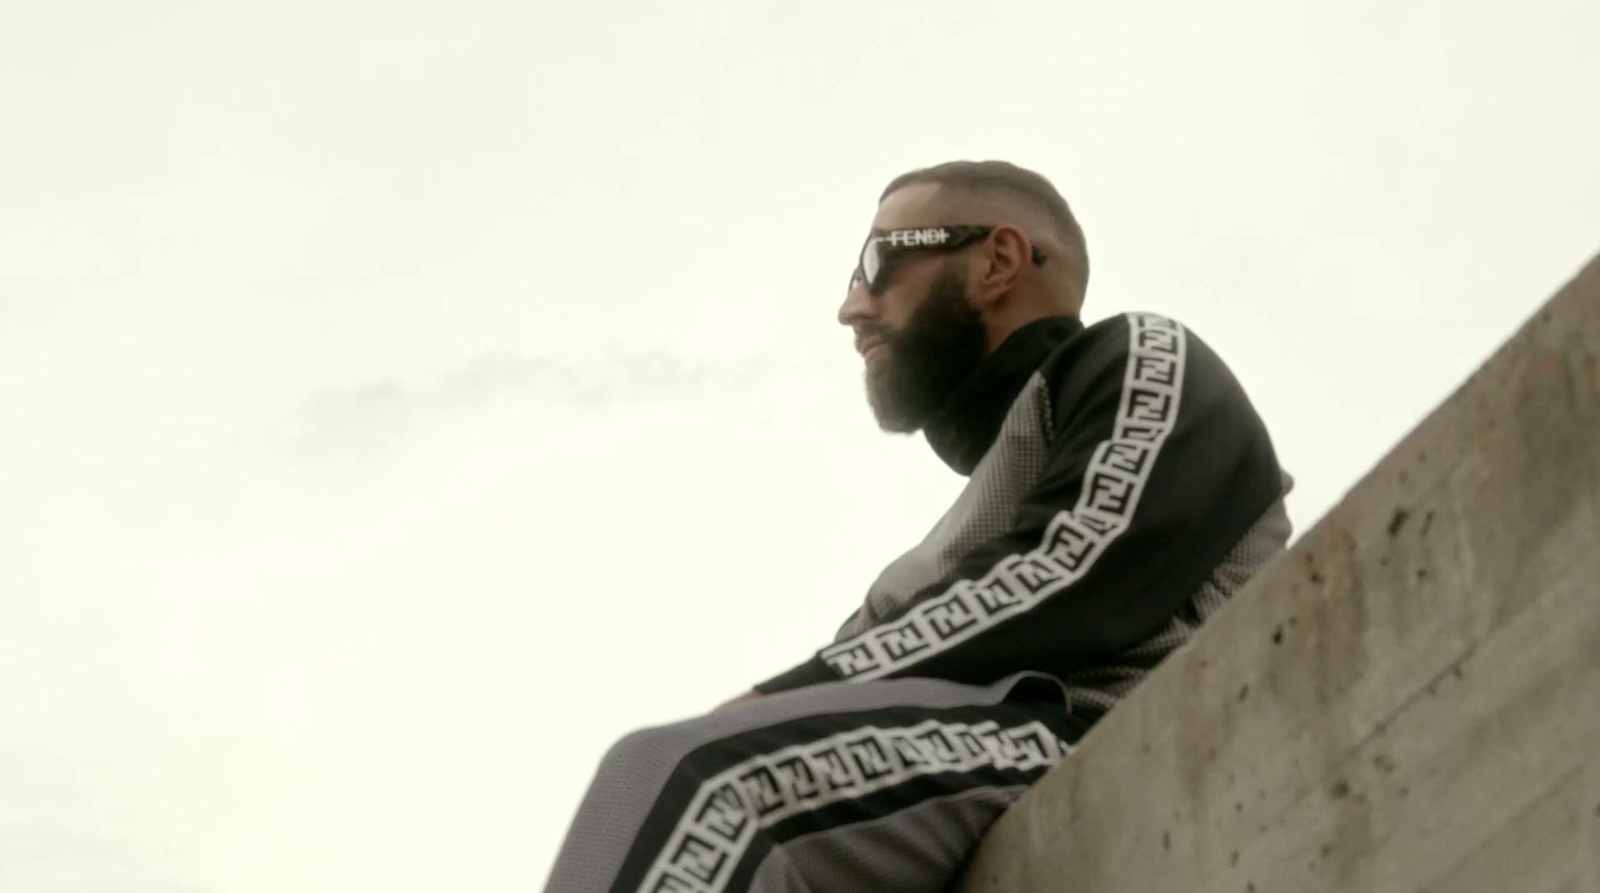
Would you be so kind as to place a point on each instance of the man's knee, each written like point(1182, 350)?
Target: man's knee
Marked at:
point(656, 751)
point(635, 752)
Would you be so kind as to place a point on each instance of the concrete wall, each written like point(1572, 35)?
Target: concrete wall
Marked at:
point(1408, 700)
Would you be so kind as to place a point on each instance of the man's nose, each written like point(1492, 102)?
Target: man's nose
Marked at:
point(858, 305)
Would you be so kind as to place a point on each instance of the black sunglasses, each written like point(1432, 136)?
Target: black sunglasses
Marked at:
point(884, 246)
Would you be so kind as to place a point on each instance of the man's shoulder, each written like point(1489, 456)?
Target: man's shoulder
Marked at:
point(1112, 340)
point(1122, 325)
point(1103, 348)
point(1155, 354)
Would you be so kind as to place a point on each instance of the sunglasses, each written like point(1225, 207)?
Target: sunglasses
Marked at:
point(884, 246)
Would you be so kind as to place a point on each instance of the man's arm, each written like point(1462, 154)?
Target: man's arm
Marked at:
point(1158, 465)
point(742, 699)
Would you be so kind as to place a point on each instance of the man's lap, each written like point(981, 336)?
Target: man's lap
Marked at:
point(850, 783)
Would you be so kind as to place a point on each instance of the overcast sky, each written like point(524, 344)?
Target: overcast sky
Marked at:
point(399, 401)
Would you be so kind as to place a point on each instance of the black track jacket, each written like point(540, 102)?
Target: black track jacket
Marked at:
point(1121, 486)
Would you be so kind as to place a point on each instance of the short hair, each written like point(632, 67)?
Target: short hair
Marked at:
point(1009, 179)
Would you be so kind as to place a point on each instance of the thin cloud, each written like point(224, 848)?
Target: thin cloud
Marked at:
point(374, 416)
point(48, 859)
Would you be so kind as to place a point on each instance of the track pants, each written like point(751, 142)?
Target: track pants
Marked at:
point(878, 786)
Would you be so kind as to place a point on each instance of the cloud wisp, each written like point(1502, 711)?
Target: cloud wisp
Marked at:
point(372, 417)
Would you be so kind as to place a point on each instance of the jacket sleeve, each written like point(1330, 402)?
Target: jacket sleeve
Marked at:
point(1156, 466)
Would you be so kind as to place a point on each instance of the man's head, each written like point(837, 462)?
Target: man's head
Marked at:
point(960, 256)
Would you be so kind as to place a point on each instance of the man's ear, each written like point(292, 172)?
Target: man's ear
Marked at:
point(1010, 252)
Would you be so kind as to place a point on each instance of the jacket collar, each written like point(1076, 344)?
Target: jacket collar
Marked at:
point(969, 423)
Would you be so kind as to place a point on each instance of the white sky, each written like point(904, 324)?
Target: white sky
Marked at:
point(400, 401)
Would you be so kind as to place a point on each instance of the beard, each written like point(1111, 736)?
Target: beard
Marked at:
point(933, 353)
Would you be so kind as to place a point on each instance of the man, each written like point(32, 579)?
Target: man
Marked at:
point(1121, 488)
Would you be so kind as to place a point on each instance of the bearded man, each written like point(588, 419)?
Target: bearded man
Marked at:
point(1121, 488)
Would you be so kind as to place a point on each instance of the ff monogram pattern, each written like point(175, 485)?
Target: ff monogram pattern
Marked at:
point(731, 807)
point(1112, 485)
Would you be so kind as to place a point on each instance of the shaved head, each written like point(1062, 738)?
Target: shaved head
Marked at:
point(999, 192)
point(926, 314)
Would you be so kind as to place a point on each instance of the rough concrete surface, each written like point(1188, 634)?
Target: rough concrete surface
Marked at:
point(1408, 700)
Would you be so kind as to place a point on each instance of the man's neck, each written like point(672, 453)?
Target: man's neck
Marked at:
point(1020, 311)
point(1000, 327)
point(964, 430)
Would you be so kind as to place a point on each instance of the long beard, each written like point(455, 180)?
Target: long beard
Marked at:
point(933, 353)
